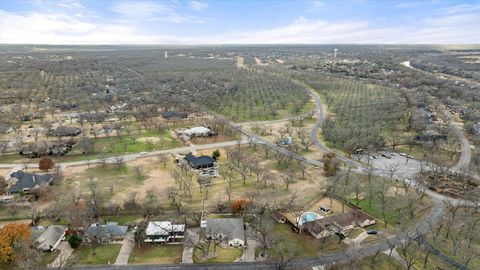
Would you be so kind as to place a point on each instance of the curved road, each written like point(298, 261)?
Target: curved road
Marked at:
point(422, 227)
point(466, 153)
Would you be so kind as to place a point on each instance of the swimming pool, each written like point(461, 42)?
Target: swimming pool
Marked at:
point(308, 216)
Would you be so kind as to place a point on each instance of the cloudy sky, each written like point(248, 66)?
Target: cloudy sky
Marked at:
point(239, 22)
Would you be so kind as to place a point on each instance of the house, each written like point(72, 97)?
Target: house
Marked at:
point(164, 231)
point(198, 132)
point(338, 224)
point(50, 238)
point(26, 182)
point(362, 219)
point(431, 135)
point(65, 131)
point(174, 114)
point(229, 230)
point(105, 233)
point(201, 162)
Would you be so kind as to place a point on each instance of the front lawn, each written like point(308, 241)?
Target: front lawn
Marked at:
point(224, 255)
point(156, 254)
point(104, 254)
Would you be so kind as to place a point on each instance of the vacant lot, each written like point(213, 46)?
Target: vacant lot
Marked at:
point(104, 254)
point(156, 254)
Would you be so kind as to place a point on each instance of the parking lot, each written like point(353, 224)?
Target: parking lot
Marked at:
point(403, 166)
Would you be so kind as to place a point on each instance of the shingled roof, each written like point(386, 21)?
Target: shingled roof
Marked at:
point(200, 162)
point(27, 181)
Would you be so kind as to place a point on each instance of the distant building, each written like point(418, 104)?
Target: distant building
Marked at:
point(27, 182)
point(200, 131)
point(174, 114)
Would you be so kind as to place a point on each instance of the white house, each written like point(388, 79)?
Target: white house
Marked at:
point(164, 231)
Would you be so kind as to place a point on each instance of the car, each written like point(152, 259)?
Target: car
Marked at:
point(386, 156)
point(410, 157)
point(211, 173)
point(393, 154)
point(143, 153)
point(403, 154)
point(372, 232)
point(371, 157)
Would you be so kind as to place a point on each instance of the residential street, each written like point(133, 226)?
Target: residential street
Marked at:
point(126, 249)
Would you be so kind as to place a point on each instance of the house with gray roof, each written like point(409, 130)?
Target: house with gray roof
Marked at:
point(229, 230)
point(27, 182)
point(105, 233)
point(50, 238)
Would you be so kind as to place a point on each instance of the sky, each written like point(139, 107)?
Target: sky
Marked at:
point(239, 22)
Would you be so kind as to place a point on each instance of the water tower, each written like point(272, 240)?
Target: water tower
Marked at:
point(335, 53)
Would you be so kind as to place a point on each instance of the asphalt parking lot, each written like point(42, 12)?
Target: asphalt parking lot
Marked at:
point(404, 167)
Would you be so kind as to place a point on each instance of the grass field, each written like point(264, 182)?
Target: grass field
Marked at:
point(104, 254)
point(223, 255)
point(151, 254)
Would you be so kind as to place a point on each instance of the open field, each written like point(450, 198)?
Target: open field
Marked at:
point(156, 254)
point(104, 254)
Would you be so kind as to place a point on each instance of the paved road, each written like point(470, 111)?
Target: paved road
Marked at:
point(466, 154)
point(441, 255)
point(126, 249)
point(131, 157)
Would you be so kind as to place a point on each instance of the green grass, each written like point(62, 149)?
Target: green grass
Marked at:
point(306, 245)
point(108, 147)
point(152, 254)
point(380, 262)
point(48, 257)
point(105, 254)
point(224, 255)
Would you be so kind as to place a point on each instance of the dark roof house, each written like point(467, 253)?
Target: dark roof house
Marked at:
point(64, 131)
point(201, 162)
point(230, 230)
point(105, 232)
point(28, 181)
point(174, 114)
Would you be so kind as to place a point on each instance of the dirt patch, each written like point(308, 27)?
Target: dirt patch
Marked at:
point(158, 180)
point(394, 191)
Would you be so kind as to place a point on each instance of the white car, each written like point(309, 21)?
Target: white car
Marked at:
point(143, 153)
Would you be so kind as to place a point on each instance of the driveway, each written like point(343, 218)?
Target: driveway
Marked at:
point(191, 237)
point(127, 247)
point(249, 251)
point(65, 252)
